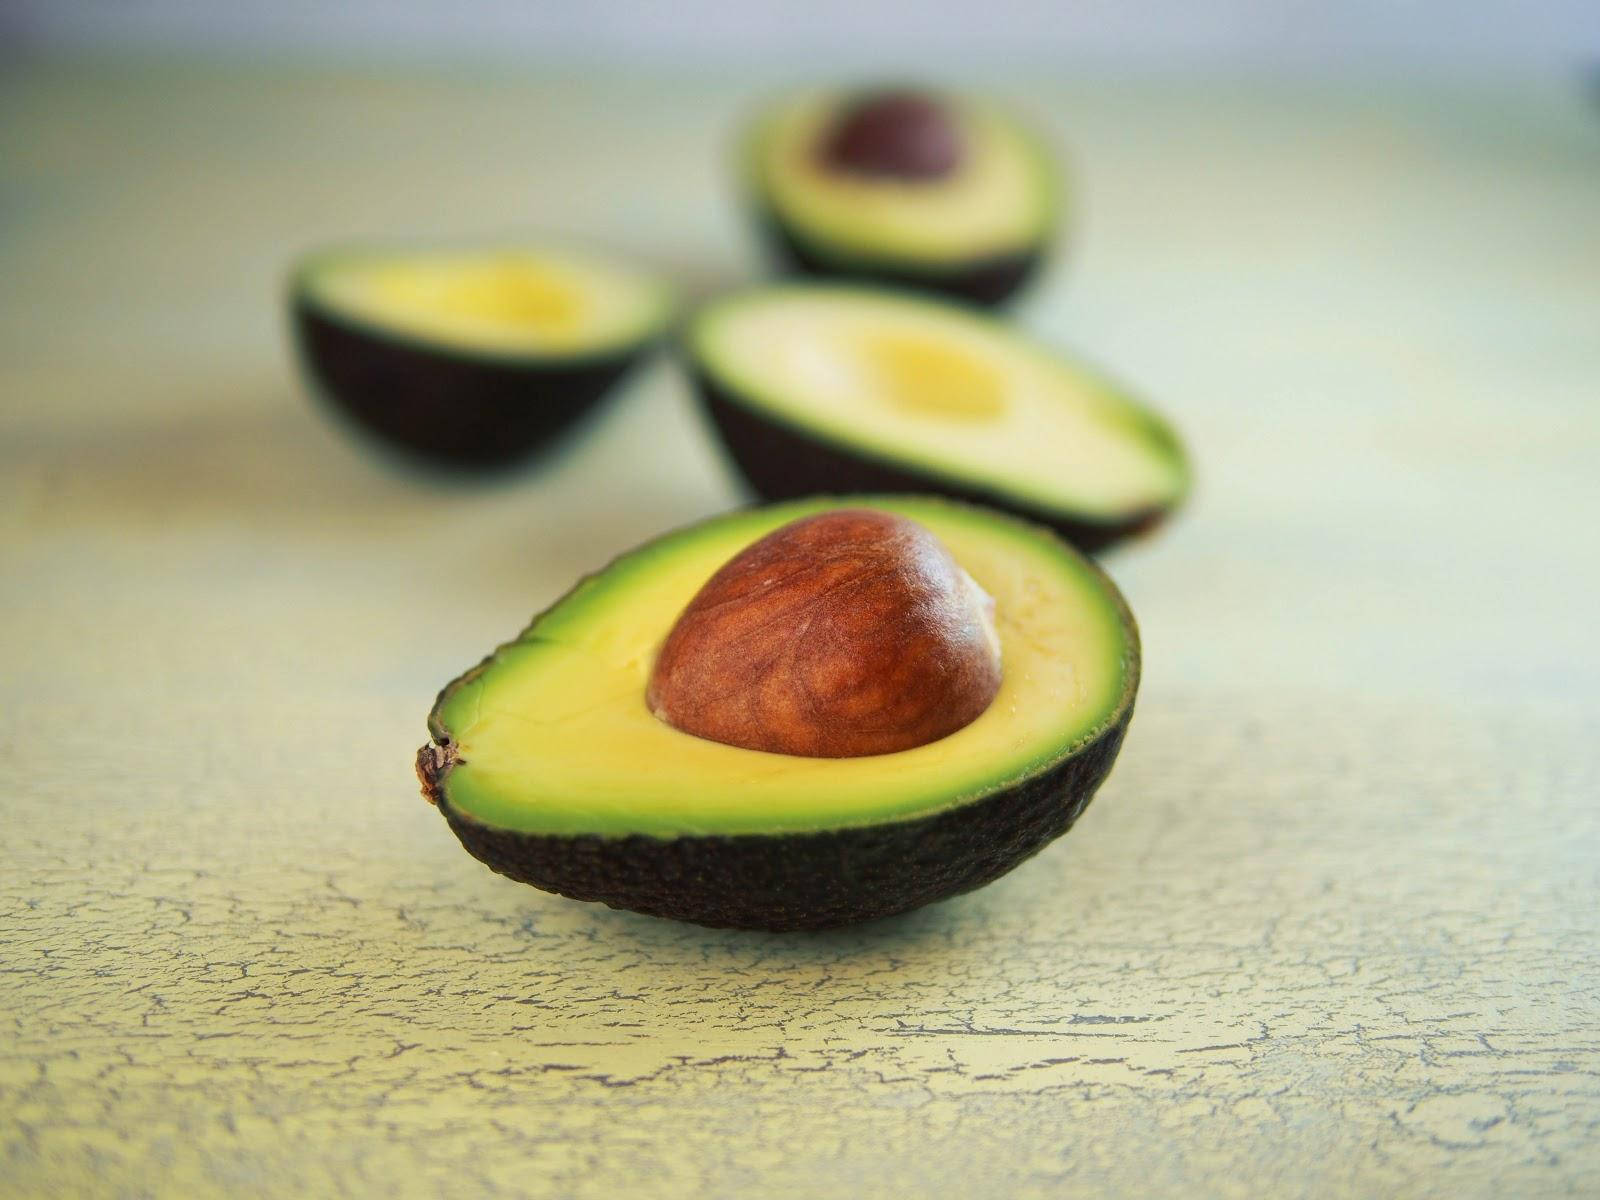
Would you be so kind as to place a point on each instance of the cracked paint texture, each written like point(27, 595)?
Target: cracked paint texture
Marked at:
point(1330, 930)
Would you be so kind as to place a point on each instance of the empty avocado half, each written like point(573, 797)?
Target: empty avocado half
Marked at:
point(605, 754)
point(474, 357)
point(819, 388)
point(914, 189)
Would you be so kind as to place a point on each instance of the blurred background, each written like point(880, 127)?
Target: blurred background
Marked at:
point(1498, 35)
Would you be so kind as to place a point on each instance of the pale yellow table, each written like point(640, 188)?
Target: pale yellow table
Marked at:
point(1330, 930)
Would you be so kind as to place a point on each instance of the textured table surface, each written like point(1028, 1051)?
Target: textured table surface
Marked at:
point(1330, 930)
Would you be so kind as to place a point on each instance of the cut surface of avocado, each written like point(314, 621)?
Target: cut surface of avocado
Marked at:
point(499, 302)
point(937, 390)
point(552, 735)
point(1000, 200)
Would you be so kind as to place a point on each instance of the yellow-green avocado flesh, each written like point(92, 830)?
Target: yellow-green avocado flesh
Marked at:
point(551, 735)
point(527, 303)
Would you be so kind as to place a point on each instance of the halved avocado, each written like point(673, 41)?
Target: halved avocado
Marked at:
point(971, 216)
point(551, 768)
point(835, 388)
point(471, 356)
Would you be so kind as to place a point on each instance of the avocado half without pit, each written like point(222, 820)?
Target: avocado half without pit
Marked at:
point(794, 717)
point(472, 357)
point(904, 187)
point(819, 388)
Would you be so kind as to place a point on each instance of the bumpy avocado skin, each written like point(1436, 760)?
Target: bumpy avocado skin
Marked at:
point(794, 882)
point(781, 462)
point(453, 409)
point(985, 282)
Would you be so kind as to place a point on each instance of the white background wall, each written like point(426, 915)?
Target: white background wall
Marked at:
point(1448, 34)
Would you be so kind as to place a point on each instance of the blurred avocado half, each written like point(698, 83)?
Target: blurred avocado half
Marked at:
point(471, 356)
point(904, 187)
point(834, 387)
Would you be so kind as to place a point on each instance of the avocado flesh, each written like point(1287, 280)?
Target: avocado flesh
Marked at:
point(820, 388)
point(550, 769)
point(471, 357)
point(499, 303)
point(553, 734)
point(977, 233)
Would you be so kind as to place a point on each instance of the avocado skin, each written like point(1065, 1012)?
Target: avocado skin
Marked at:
point(455, 409)
point(782, 462)
point(986, 282)
point(795, 882)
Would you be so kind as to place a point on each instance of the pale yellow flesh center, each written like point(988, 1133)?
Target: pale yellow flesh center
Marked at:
point(927, 378)
point(506, 302)
point(558, 737)
point(517, 294)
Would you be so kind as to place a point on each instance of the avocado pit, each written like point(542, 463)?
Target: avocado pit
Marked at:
point(849, 633)
point(894, 134)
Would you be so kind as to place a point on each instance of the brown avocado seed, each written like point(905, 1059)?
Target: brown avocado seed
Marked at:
point(848, 633)
point(898, 135)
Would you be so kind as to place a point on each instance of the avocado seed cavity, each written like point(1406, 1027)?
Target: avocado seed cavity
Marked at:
point(896, 135)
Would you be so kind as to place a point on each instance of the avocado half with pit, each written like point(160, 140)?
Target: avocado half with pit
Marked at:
point(818, 388)
point(473, 357)
point(914, 189)
point(558, 760)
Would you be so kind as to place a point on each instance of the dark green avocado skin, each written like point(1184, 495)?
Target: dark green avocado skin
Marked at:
point(985, 283)
point(453, 409)
point(781, 462)
point(794, 882)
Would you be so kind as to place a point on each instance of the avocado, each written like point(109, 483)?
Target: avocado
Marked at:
point(472, 357)
point(550, 766)
point(911, 189)
point(818, 388)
